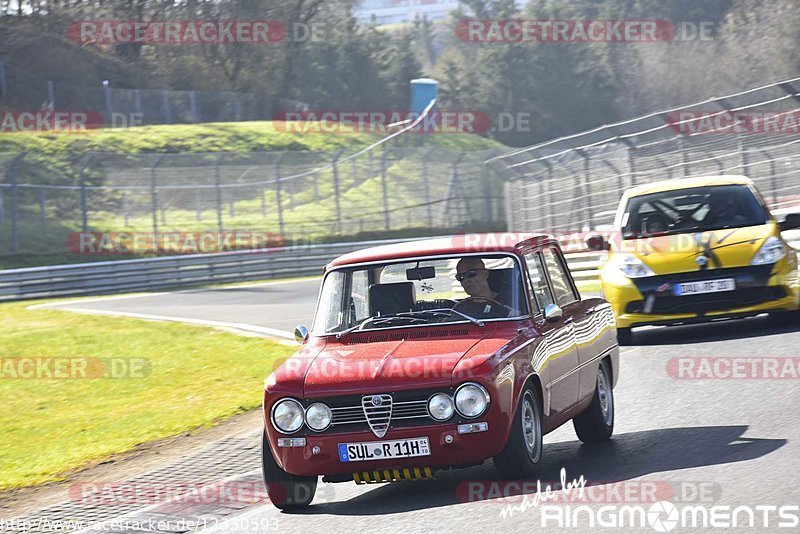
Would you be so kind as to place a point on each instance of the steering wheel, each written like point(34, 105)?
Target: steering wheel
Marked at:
point(478, 300)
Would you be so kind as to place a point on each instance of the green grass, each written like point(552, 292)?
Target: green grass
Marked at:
point(240, 137)
point(48, 427)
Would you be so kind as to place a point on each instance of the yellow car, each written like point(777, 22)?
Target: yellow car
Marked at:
point(696, 250)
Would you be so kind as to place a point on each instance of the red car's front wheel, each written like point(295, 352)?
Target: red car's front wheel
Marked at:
point(285, 490)
point(522, 454)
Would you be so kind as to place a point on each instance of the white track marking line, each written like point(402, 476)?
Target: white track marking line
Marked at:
point(97, 299)
point(201, 322)
point(155, 294)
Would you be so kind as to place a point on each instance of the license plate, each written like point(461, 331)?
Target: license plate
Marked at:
point(708, 286)
point(381, 450)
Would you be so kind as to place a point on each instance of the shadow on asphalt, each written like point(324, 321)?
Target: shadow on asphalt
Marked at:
point(708, 332)
point(625, 457)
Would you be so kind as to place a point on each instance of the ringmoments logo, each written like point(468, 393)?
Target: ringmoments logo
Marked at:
point(664, 516)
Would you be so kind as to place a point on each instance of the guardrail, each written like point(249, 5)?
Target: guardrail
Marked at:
point(196, 269)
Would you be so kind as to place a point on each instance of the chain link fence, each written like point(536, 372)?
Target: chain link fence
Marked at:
point(575, 183)
point(123, 107)
point(293, 196)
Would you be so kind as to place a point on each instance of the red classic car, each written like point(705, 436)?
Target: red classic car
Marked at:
point(438, 354)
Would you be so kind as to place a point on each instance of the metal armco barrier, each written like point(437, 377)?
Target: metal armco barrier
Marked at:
point(197, 269)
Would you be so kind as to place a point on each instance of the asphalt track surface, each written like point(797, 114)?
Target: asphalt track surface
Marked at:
point(693, 442)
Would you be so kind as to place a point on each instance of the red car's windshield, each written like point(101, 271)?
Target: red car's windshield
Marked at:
point(421, 292)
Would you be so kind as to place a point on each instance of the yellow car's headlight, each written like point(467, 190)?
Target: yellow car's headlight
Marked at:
point(772, 251)
point(632, 267)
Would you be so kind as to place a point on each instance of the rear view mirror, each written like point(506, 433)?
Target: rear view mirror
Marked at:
point(420, 273)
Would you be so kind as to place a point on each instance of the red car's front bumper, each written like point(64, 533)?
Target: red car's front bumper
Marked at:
point(465, 449)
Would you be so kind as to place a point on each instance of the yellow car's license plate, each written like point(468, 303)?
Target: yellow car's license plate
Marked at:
point(707, 286)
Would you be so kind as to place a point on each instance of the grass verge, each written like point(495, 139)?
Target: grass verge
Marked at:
point(48, 426)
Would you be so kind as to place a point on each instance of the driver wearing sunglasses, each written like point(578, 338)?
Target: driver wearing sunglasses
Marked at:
point(474, 278)
point(483, 301)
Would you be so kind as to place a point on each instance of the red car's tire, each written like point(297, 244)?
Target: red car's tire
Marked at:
point(285, 490)
point(522, 455)
point(596, 422)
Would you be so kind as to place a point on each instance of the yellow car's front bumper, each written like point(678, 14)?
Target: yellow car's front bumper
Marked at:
point(651, 301)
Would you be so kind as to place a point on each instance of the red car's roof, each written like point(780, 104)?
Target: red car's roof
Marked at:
point(457, 244)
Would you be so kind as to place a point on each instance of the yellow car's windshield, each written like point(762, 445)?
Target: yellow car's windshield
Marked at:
point(695, 209)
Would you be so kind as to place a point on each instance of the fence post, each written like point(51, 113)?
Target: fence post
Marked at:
point(263, 202)
point(632, 164)
point(218, 191)
point(743, 153)
point(193, 106)
point(84, 199)
point(167, 109)
point(685, 158)
point(427, 187)
point(109, 102)
point(40, 197)
point(198, 209)
point(2, 78)
point(278, 193)
point(14, 168)
point(154, 199)
point(51, 94)
point(125, 208)
point(587, 187)
point(336, 199)
point(384, 190)
point(137, 101)
point(488, 197)
point(2, 208)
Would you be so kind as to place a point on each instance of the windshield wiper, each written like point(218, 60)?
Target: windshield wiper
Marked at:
point(378, 320)
point(469, 318)
point(340, 335)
